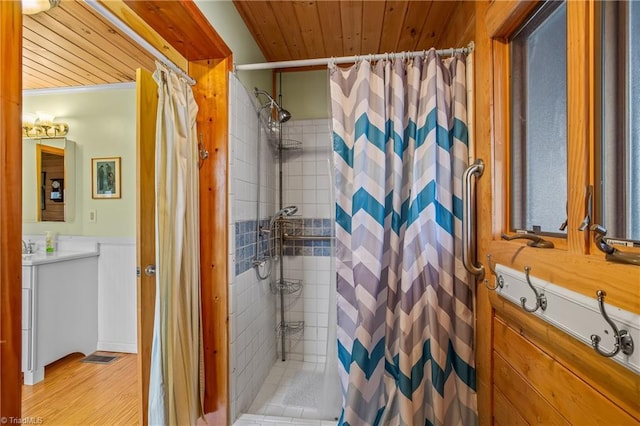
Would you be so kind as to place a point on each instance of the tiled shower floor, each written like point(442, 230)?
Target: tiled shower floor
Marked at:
point(288, 397)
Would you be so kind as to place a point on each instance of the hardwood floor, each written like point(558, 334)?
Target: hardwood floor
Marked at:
point(78, 393)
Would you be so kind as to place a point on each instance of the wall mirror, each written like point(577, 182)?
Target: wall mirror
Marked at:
point(48, 180)
point(618, 167)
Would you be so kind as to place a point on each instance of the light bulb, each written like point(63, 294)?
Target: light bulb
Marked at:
point(31, 7)
point(45, 119)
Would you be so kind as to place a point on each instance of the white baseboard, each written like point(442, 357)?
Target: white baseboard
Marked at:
point(118, 347)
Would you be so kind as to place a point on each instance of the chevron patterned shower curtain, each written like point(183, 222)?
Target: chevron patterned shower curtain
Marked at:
point(405, 313)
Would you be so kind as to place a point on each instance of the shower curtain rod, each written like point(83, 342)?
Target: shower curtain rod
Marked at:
point(348, 59)
point(105, 13)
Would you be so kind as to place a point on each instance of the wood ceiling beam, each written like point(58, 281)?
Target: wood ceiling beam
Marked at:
point(146, 31)
point(195, 42)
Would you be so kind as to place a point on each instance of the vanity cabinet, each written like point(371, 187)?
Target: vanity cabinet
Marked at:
point(59, 309)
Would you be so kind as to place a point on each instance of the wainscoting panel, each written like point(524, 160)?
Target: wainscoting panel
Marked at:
point(117, 323)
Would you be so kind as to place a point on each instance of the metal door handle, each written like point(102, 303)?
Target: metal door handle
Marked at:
point(150, 270)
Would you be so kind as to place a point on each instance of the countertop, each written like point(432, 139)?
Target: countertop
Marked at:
point(58, 256)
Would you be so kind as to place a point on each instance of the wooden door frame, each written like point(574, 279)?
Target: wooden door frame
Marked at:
point(146, 94)
point(10, 208)
point(163, 24)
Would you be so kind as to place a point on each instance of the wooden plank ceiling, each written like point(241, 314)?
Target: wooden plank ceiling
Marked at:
point(292, 30)
point(71, 45)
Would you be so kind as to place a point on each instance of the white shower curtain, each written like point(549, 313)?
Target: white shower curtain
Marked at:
point(174, 389)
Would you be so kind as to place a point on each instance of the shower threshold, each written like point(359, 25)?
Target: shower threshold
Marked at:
point(289, 395)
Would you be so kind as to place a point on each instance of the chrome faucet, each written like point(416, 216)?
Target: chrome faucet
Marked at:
point(27, 248)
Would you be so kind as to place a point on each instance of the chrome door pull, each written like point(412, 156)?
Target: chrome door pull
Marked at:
point(150, 270)
point(468, 240)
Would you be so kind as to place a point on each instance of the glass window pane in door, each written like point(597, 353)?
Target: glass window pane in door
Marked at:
point(539, 122)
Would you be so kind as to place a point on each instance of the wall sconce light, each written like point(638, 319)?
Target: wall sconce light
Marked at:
point(42, 125)
point(31, 7)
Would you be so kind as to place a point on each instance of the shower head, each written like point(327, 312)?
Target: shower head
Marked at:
point(283, 114)
point(285, 212)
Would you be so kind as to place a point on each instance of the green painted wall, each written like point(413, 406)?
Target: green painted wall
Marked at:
point(226, 20)
point(306, 94)
point(102, 123)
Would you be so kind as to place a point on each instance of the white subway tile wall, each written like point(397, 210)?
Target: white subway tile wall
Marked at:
point(251, 304)
point(307, 177)
point(254, 310)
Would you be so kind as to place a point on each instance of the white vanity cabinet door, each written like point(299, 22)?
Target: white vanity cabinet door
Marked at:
point(26, 309)
point(26, 277)
point(59, 310)
point(26, 350)
point(27, 286)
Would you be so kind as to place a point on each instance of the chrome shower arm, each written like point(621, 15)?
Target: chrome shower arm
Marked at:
point(272, 102)
point(283, 114)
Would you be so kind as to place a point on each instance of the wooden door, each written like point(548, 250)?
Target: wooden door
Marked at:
point(146, 110)
point(10, 208)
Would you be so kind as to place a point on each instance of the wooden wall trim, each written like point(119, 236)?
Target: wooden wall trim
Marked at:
point(10, 209)
point(506, 413)
point(484, 114)
point(146, 113)
point(608, 379)
point(196, 42)
point(501, 129)
point(211, 94)
point(580, 273)
point(516, 389)
point(580, 117)
point(503, 17)
point(146, 30)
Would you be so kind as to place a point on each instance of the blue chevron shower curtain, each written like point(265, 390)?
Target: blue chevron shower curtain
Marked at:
point(405, 312)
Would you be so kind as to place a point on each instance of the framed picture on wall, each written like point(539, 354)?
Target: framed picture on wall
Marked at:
point(105, 177)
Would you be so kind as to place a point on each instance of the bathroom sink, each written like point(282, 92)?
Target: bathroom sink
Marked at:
point(30, 259)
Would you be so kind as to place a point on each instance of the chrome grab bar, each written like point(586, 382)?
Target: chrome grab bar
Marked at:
point(468, 238)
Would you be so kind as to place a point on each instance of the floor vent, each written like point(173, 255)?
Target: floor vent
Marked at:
point(99, 359)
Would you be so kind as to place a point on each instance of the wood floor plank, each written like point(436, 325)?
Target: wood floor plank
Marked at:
point(77, 393)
